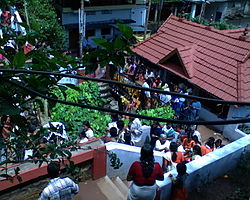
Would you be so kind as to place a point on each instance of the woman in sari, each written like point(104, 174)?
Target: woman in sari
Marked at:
point(172, 157)
point(144, 174)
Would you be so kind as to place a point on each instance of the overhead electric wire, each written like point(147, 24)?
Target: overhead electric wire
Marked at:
point(218, 122)
point(218, 101)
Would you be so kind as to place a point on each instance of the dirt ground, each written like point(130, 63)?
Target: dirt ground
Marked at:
point(206, 133)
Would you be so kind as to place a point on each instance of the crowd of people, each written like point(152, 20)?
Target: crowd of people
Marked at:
point(142, 173)
point(184, 108)
point(177, 143)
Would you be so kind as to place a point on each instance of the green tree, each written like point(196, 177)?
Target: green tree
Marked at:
point(221, 25)
point(115, 50)
point(43, 19)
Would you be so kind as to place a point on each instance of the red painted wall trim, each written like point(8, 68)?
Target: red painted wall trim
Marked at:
point(98, 167)
point(99, 162)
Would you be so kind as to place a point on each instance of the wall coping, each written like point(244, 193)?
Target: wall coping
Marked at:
point(114, 145)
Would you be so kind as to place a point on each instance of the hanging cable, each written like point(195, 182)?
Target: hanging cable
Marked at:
point(218, 101)
point(218, 122)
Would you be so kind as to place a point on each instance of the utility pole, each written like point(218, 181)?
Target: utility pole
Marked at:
point(82, 26)
point(203, 6)
point(159, 14)
point(146, 21)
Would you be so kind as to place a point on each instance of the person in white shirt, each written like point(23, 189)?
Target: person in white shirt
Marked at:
point(165, 98)
point(57, 132)
point(170, 132)
point(88, 130)
point(198, 134)
point(196, 152)
point(135, 124)
point(121, 131)
point(162, 144)
point(146, 85)
point(145, 135)
point(134, 129)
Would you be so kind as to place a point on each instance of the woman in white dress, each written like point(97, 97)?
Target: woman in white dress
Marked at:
point(87, 133)
point(88, 130)
point(196, 152)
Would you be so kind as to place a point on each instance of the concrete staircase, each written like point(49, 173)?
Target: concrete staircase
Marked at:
point(105, 94)
point(104, 90)
point(103, 189)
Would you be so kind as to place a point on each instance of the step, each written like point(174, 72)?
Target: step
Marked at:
point(101, 84)
point(121, 186)
point(107, 90)
point(89, 190)
point(105, 95)
point(109, 189)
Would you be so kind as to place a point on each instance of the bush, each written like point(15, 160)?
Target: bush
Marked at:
point(160, 112)
point(221, 25)
point(87, 93)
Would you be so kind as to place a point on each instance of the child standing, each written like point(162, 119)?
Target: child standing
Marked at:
point(179, 191)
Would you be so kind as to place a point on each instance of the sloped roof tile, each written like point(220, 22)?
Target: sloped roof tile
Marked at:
point(217, 61)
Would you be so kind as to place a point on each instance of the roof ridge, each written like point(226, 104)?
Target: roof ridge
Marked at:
point(208, 28)
point(239, 81)
point(143, 41)
point(166, 21)
point(229, 33)
point(232, 30)
point(188, 66)
point(236, 42)
point(246, 57)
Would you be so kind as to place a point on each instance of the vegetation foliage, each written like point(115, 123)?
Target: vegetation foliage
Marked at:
point(89, 94)
point(114, 51)
point(161, 112)
point(43, 19)
point(22, 92)
point(221, 25)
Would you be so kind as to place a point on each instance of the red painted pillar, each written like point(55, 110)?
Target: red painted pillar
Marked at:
point(99, 163)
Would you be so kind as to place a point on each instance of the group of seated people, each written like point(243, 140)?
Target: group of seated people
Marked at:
point(187, 148)
point(177, 143)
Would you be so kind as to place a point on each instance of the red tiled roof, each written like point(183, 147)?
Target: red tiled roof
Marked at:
point(236, 33)
point(215, 60)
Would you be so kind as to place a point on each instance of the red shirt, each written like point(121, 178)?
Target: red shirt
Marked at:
point(136, 173)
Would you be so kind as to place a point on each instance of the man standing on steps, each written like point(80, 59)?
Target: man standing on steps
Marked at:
point(58, 188)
